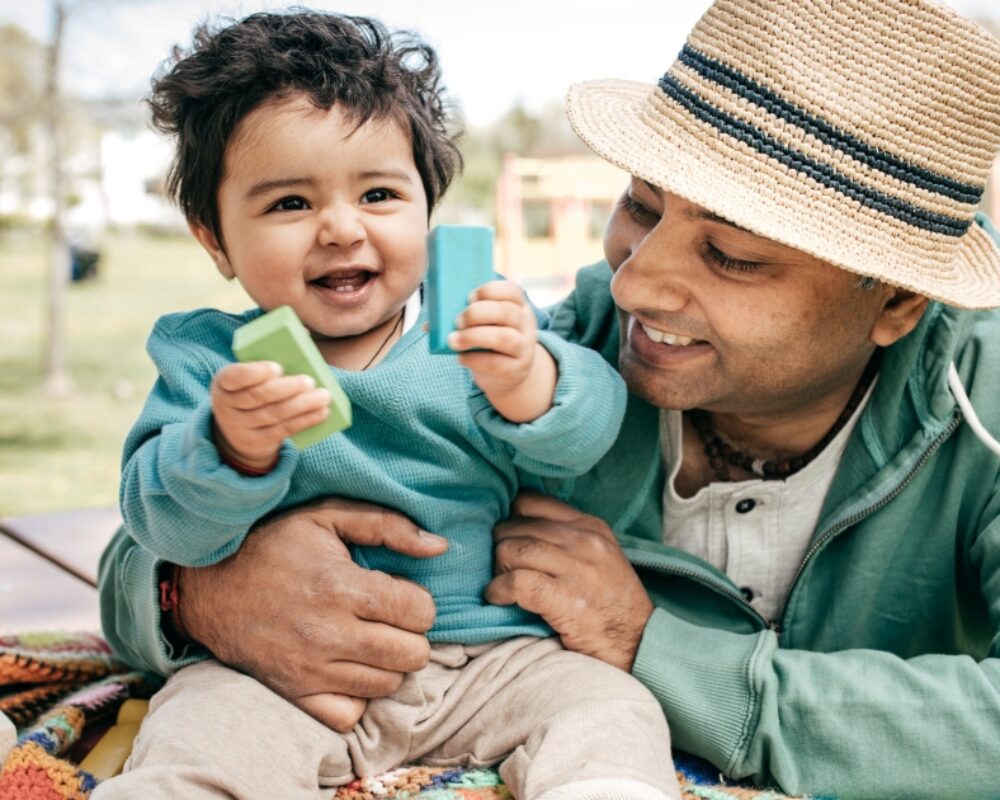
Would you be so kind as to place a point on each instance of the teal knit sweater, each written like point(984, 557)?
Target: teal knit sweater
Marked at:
point(424, 441)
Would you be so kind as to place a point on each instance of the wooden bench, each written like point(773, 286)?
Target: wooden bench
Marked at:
point(48, 569)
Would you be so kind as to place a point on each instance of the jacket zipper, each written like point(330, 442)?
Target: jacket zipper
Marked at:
point(855, 518)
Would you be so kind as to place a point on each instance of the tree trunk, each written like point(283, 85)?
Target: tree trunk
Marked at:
point(57, 381)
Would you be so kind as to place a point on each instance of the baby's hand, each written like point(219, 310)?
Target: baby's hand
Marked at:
point(256, 407)
point(514, 371)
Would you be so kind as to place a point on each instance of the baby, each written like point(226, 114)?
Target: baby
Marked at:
point(311, 149)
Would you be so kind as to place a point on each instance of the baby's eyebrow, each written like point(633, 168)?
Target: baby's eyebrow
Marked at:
point(394, 174)
point(263, 187)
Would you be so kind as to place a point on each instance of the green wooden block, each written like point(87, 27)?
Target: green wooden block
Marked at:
point(279, 336)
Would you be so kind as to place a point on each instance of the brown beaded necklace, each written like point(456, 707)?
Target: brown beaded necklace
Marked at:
point(719, 453)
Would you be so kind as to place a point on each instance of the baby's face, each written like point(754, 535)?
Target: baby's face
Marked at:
point(322, 216)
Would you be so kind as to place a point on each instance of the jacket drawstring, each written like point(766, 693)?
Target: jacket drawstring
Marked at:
point(958, 390)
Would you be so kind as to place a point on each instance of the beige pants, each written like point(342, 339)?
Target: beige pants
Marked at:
point(562, 725)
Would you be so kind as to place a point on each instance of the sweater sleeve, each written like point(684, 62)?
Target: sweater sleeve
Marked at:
point(130, 611)
point(855, 723)
point(573, 435)
point(177, 498)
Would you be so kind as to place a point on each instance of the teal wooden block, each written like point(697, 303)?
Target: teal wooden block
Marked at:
point(459, 259)
point(279, 336)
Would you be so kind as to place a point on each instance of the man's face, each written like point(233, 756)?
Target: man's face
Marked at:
point(715, 317)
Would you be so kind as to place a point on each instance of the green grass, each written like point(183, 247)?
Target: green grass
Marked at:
point(62, 453)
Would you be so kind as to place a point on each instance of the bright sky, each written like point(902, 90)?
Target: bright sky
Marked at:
point(492, 53)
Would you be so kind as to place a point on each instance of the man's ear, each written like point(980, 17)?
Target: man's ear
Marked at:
point(213, 247)
point(900, 314)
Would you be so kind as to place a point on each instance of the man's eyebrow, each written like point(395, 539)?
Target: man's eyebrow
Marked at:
point(654, 189)
point(263, 187)
point(708, 216)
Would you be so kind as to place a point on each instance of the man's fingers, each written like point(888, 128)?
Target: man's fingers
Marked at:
point(526, 588)
point(368, 524)
point(542, 506)
point(397, 602)
point(358, 680)
point(528, 552)
point(338, 711)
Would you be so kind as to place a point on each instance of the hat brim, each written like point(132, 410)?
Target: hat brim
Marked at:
point(631, 125)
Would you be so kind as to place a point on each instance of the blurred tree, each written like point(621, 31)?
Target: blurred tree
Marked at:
point(21, 87)
point(519, 130)
point(57, 381)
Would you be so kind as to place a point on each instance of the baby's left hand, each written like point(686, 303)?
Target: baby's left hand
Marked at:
point(500, 325)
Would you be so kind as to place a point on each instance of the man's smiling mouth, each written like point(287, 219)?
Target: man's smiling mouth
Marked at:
point(672, 339)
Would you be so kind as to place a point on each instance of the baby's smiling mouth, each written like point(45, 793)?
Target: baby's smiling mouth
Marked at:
point(344, 281)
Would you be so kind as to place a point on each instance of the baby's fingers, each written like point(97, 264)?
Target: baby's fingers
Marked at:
point(315, 403)
point(500, 339)
point(240, 376)
point(498, 290)
point(496, 312)
point(290, 426)
point(274, 390)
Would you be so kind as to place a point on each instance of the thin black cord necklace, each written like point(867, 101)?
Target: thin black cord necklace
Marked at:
point(396, 325)
point(719, 452)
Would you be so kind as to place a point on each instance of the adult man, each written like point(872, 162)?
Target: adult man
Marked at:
point(829, 627)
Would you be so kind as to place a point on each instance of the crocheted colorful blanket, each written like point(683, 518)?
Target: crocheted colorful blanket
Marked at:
point(57, 686)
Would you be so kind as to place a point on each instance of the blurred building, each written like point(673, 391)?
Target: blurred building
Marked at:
point(113, 172)
point(551, 214)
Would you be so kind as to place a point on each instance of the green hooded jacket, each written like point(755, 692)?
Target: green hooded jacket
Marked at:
point(882, 679)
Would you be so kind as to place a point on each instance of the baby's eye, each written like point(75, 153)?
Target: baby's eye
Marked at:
point(293, 203)
point(379, 195)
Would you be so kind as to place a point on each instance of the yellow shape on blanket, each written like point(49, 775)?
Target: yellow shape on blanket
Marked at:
point(110, 753)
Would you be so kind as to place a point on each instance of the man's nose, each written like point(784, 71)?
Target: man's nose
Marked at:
point(341, 225)
point(656, 275)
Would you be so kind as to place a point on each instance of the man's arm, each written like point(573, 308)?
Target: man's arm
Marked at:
point(289, 608)
point(857, 723)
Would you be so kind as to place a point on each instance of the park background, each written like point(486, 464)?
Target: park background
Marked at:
point(80, 168)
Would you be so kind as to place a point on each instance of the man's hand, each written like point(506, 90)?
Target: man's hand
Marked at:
point(566, 566)
point(255, 407)
point(291, 609)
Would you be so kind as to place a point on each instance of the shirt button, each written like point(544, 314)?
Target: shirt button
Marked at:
point(745, 506)
point(747, 593)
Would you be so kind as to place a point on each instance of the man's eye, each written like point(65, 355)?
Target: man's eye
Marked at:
point(290, 204)
point(728, 263)
point(377, 195)
point(638, 211)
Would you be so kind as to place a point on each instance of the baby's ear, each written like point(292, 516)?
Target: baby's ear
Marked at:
point(212, 246)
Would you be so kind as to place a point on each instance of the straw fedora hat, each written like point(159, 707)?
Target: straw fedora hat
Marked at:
point(860, 131)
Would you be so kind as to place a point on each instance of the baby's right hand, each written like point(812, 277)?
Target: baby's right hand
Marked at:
point(256, 407)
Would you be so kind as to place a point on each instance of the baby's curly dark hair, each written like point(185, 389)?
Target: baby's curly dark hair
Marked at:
point(200, 97)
